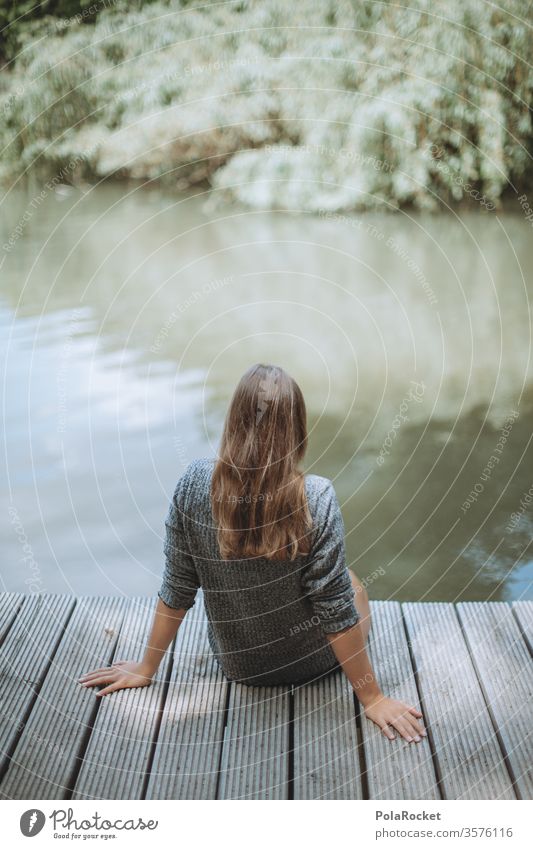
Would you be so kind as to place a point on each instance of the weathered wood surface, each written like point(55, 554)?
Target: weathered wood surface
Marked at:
point(116, 758)
point(26, 655)
point(395, 769)
point(327, 757)
point(255, 753)
point(467, 755)
point(505, 671)
point(52, 742)
point(189, 744)
point(523, 610)
point(195, 735)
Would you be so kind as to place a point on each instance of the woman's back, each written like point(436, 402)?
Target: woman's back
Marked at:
point(266, 544)
point(267, 618)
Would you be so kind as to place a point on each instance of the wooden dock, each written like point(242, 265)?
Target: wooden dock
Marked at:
point(194, 735)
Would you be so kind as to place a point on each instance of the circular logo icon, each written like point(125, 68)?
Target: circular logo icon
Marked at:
point(32, 822)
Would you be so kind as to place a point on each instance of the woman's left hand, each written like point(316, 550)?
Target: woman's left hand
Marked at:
point(120, 676)
point(392, 713)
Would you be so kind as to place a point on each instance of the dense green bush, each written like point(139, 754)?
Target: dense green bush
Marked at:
point(317, 105)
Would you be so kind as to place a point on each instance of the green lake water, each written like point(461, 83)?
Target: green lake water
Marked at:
point(128, 314)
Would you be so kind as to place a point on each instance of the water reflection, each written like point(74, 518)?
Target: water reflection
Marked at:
point(127, 317)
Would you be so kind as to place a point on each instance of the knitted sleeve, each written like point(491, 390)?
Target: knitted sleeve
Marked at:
point(325, 578)
point(180, 580)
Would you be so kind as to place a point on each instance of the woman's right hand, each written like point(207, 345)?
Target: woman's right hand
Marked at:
point(122, 675)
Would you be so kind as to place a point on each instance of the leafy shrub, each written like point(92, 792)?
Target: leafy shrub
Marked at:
point(322, 104)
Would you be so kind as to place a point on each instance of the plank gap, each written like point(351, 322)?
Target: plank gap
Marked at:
point(159, 718)
point(224, 726)
point(425, 713)
point(9, 753)
point(522, 630)
point(71, 784)
point(290, 759)
point(86, 736)
point(14, 615)
point(492, 718)
point(365, 788)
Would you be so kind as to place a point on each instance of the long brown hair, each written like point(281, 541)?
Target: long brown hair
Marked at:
point(257, 492)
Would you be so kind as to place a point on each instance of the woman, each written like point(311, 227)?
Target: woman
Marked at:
point(266, 545)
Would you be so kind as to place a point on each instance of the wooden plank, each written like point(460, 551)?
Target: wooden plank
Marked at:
point(255, 761)
point(189, 743)
point(117, 756)
point(10, 604)
point(467, 752)
point(504, 667)
point(25, 657)
point(326, 754)
point(43, 767)
point(395, 769)
point(469, 687)
point(523, 610)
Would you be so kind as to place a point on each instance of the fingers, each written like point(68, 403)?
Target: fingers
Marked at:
point(407, 727)
point(392, 714)
point(116, 685)
point(104, 670)
point(99, 679)
point(93, 676)
point(387, 731)
point(403, 728)
point(93, 672)
point(417, 727)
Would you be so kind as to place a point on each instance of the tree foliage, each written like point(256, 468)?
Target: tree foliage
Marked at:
point(322, 104)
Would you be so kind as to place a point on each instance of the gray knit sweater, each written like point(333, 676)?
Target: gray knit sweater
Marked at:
point(266, 619)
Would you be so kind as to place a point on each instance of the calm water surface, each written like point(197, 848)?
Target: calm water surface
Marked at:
point(127, 315)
